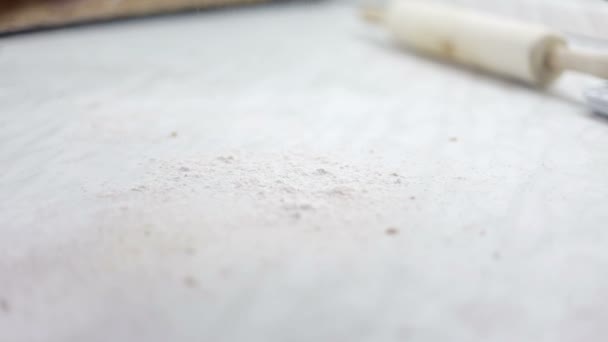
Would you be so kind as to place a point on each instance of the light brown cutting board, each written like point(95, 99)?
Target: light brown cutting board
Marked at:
point(17, 15)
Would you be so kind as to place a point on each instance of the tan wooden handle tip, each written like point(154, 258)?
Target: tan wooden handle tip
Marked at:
point(591, 63)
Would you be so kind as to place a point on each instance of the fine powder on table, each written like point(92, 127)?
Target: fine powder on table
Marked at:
point(289, 186)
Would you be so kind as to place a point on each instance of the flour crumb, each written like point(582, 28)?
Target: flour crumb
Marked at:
point(173, 134)
point(190, 281)
point(321, 172)
point(306, 206)
point(4, 306)
point(391, 231)
point(226, 159)
point(453, 139)
point(289, 189)
point(184, 169)
point(340, 191)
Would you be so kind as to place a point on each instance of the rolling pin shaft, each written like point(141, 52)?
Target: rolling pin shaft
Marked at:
point(526, 52)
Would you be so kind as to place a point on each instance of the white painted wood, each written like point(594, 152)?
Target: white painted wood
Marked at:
point(512, 49)
point(583, 17)
point(284, 174)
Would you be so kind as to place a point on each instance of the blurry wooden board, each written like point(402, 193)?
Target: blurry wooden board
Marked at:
point(284, 174)
point(17, 15)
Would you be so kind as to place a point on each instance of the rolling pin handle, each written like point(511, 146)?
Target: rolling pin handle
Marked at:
point(563, 58)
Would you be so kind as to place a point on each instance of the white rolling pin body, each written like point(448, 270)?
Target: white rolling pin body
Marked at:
point(497, 45)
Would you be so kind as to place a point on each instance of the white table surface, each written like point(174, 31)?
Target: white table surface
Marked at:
point(283, 173)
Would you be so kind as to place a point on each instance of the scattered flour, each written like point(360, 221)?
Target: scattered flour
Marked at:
point(294, 184)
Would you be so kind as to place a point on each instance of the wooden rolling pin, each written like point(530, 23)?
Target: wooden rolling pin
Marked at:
point(526, 52)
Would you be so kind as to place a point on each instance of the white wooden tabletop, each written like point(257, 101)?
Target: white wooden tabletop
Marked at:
point(283, 173)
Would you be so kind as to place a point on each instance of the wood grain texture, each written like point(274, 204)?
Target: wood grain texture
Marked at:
point(23, 14)
point(285, 174)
